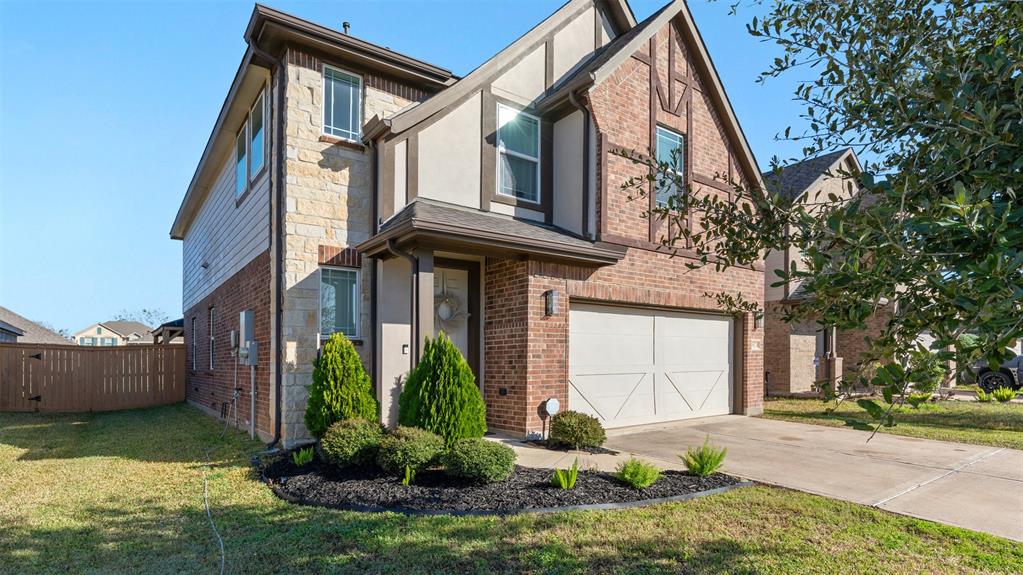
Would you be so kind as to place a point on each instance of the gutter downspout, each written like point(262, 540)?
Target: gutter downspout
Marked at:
point(277, 185)
point(586, 163)
point(392, 247)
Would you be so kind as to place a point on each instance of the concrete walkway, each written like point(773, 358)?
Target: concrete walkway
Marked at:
point(971, 486)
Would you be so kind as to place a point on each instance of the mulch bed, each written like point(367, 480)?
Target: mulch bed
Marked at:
point(433, 492)
point(557, 447)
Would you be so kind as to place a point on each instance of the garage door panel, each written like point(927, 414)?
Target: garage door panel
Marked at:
point(632, 366)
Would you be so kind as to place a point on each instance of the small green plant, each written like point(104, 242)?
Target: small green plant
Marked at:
point(704, 460)
point(983, 396)
point(576, 430)
point(409, 476)
point(303, 456)
point(351, 442)
point(565, 478)
point(341, 387)
point(638, 473)
point(409, 449)
point(441, 394)
point(479, 460)
point(916, 399)
point(1004, 394)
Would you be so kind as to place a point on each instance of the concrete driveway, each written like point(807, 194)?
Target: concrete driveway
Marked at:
point(971, 486)
point(975, 487)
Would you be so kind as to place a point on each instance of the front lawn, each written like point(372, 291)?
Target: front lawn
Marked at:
point(122, 493)
point(995, 424)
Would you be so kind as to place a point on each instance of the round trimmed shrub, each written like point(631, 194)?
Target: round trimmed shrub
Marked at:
point(351, 442)
point(409, 447)
point(479, 460)
point(576, 430)
point(441, 394)
point(341, 387)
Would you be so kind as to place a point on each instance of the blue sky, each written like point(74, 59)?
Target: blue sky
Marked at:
point(105, 109)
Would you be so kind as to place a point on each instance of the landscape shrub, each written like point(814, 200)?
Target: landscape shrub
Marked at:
point(479, 460)
point(576, 430)
point(565, 478)
point(638, 473)
point(341, 387)
point(441, 395)
point(351, 442)
point(408, 450)
point(704, 460)
point(1004, 394)
point(926, 371)
point(916, 399)
point(984, 397)
point(303, 456)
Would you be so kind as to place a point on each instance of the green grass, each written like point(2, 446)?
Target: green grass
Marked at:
point(122, 493)
point(991, 424)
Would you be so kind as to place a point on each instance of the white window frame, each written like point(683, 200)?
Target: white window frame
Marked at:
point(682, 140)
point(357, 299)
point(362, 104)
point(211, 319)
point(194, 342)
point(502, 150)
point(241, 186)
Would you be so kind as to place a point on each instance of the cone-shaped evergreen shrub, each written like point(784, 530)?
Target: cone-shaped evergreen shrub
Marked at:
point(441, 394)
point(341, 387)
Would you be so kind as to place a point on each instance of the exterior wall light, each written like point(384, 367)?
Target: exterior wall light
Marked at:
point(550, 306)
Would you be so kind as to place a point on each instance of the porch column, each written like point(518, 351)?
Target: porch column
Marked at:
point(423, 301)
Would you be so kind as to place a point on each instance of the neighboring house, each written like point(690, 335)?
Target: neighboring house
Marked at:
point(114, 333)
point(347, 187)
point(17, 329)
point(799, 355)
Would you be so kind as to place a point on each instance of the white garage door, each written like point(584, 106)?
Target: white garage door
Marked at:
point(630, 366)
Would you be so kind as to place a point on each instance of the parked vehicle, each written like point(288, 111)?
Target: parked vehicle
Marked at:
point(1007, 375)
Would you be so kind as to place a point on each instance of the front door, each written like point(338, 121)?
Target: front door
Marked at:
point(455, 295)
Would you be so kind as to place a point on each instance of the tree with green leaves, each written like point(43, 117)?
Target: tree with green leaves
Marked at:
point(931, 94)
point(341, 387)
point(441, 394)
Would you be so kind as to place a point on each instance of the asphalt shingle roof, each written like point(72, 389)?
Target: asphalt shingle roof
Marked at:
point(34, 333)
point(794, 179)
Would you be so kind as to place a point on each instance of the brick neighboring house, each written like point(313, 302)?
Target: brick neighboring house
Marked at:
point(346, 187)
point(798, 356)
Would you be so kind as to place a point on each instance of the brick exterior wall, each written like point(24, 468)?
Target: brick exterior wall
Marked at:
point(851, 344)
point(505, 353)
point(789, 351)
point(211, 390)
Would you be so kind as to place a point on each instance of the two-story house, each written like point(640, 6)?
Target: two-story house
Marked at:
point(347, 187)
point(114, 333)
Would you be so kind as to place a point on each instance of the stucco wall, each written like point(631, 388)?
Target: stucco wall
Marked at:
point(449, 156)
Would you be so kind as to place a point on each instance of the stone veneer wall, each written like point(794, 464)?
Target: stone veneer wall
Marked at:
point(328, 202)
point(210, 390)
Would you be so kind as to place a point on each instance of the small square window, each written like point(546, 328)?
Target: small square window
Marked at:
point(518, 144)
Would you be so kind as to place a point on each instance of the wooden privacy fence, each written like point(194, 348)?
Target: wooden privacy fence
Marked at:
point(71, 378)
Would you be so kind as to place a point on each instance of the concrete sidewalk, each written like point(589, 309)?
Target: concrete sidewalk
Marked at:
point(975, 487)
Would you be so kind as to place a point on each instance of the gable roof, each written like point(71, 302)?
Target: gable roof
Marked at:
point(796, 179)
point(617, 10)
point(32, 332)
point(603, 63)
point(125, 328)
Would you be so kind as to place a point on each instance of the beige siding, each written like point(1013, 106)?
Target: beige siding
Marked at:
point(568, 172)
point(223, 234)
point(449, 156)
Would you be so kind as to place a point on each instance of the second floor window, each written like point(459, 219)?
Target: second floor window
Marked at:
point(670, 150)
point(339, 301)
point(518, 145)
point(342, 104)
point(250, 147)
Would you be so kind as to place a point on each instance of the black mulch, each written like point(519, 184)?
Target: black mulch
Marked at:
point(432, 491)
